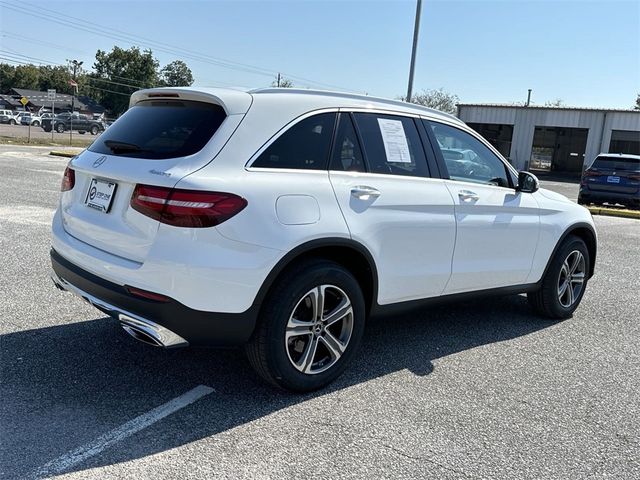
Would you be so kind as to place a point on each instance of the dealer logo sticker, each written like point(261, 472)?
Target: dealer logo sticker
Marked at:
point(99, 161)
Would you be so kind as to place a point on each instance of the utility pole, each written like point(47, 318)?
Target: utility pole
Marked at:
point(416, 29)
point(278, 81)
point(529, 98)
point(74, 86)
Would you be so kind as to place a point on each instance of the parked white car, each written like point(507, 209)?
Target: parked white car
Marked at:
point(30, 119)
point(8, 116)
point(281, 219)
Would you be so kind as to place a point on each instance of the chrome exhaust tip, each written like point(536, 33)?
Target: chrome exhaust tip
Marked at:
point(150, 333)
point(140, 335)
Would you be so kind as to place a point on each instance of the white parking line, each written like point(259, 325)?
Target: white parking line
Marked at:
point(105, 441)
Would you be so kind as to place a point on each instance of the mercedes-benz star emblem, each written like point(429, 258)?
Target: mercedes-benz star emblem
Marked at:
point(99, 161)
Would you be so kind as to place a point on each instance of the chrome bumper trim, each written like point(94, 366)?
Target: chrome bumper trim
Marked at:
point(163, 336)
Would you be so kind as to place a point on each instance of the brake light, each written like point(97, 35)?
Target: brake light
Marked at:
point(186, 208)
point(68, 179)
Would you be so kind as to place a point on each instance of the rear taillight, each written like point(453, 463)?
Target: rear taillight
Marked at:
point(68, 179)
point(186, 208)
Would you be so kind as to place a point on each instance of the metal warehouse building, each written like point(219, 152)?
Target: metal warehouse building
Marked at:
point(554, 139)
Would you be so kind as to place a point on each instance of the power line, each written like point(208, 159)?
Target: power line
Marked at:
point(105, 90)
point(27, 57)
point(48, 62)
point(40, 42)
point(98, 79)
point(18, 62)
point(81, 24)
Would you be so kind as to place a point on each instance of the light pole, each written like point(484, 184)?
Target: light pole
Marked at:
point(74, 86)
point(416, 29)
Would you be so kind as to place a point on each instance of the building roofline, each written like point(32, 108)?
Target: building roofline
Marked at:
point(541, 107)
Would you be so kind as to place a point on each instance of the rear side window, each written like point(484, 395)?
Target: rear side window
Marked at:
point(347, 156)
point(304, 146)
point(392, 145)
point(612, 163)
point(161, 129)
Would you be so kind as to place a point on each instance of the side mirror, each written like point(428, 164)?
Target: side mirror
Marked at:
point(527, 182)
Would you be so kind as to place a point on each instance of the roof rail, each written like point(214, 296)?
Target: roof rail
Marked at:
point(328, 93)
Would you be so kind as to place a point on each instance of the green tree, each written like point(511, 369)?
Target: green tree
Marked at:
point(26, 76)
point(7, 72)
point(438, 99)
point(117, 74)
point(176, 74)
point(56, 77)
point(637, 107)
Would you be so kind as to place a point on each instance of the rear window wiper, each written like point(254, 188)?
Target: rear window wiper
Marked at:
point(123, 147)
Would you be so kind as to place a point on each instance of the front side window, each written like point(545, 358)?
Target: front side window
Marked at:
point(305, 146)
point(467, 158)
point(392, 144)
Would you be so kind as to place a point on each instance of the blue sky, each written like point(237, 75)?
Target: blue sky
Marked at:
point(586, 53)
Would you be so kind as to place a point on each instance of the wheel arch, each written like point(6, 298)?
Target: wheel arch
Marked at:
point(352, 255)
point(587, 234)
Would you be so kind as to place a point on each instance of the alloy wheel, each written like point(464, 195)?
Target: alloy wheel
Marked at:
point(571, 278)
point(319, 329)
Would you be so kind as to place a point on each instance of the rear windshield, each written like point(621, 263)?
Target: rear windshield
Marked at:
point(161, 129)
point(611, 163)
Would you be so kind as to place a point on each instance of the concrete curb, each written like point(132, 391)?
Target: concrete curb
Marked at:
point(64, 153)
point(615, 212)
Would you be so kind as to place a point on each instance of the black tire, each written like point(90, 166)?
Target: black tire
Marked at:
point(94, 130)
point(60, 128)
point(547, 301)
point(268, 351)
point(36, 124)
point(81, 132)
point(12, 122)
point(582, 202)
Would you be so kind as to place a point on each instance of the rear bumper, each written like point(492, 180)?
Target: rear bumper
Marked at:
point(170, 324)
point(603, 196)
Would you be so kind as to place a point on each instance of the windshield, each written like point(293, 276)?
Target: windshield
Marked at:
point(612, 163)
point(158, 130)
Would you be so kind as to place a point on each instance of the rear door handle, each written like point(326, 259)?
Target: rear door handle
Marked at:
point(466, 195)
point(362, 192)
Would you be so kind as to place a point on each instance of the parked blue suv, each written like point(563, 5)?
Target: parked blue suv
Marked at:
point(612, 178)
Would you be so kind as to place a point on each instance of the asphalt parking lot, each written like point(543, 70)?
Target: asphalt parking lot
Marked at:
point(483, 389)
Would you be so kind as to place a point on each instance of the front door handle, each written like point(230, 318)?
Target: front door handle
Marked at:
point(362, 192)
point(466, 195)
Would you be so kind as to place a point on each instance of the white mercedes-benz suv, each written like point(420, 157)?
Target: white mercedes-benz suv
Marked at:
point(282, 219)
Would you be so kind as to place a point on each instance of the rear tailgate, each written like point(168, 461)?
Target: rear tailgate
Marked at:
point(156, 142)
point(611, 174)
